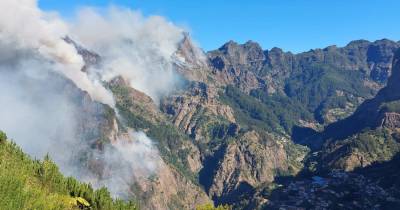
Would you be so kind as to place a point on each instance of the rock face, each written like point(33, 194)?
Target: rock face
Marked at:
point(391, 120)
point(164, 189)
point(297, 76)
point(249, 67)
point(189, 54)
point(169, 189)
point(247, 163)
point(237, 64)
point(188, 107)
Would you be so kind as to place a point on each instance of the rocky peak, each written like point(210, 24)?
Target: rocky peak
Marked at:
point(358, 43)
point(190, 53)
point(243, 54)
point(237, 64)
point(90, 58)
point(230, 45)
point(276, 51)
point(330, 48)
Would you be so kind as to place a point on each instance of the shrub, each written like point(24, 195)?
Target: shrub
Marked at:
point(3, 136)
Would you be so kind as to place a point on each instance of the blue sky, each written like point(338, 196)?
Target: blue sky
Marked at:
point(294, 25)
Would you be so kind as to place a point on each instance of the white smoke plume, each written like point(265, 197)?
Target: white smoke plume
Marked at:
point(23, 24)
point(123, 161)
point(137, 48)
point(40, 74)
point(34, 111)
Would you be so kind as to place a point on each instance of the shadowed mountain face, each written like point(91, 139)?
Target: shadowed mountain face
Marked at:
point(379, 111)
point(371, 134)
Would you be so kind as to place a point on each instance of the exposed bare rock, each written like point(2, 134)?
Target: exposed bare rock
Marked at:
point(247, 66)
point(355, 160)
point(89, 57)
point(391, 120)
point(250, 161)
point(191, 62)
point(168, 189)
point(189, 106)
point(194, 159)
point(237, 64)
point(189, 54)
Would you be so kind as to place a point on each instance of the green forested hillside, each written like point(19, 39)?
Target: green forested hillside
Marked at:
point(34, 184)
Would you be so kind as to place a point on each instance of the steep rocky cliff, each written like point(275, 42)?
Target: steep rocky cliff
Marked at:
point(252, 160)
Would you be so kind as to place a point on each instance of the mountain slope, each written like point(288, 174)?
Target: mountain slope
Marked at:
point(371, 133)
point(34, 184)
point(357, 165)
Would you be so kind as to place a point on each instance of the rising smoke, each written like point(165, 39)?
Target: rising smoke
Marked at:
point(23, 24)
point(141, 52)
point(41, 83)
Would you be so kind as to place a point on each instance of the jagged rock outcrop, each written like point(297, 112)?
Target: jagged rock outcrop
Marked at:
point(89, 57)
point(191, 62)
point(297, 76)
point(168, 189)
point(189, 107)
point(189, 54)
point(238, 64)
point(252, 160)
point(391, 120)
point(249, 67)
point(165, 188)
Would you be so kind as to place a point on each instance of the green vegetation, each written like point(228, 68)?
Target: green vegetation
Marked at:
point(376, 145)
point(3, 137)
point(268, 113)
point(373, 145)
point(210, 206)
point(393, 106)
point(169, 139)
point(34, 184)
point(322, 87)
